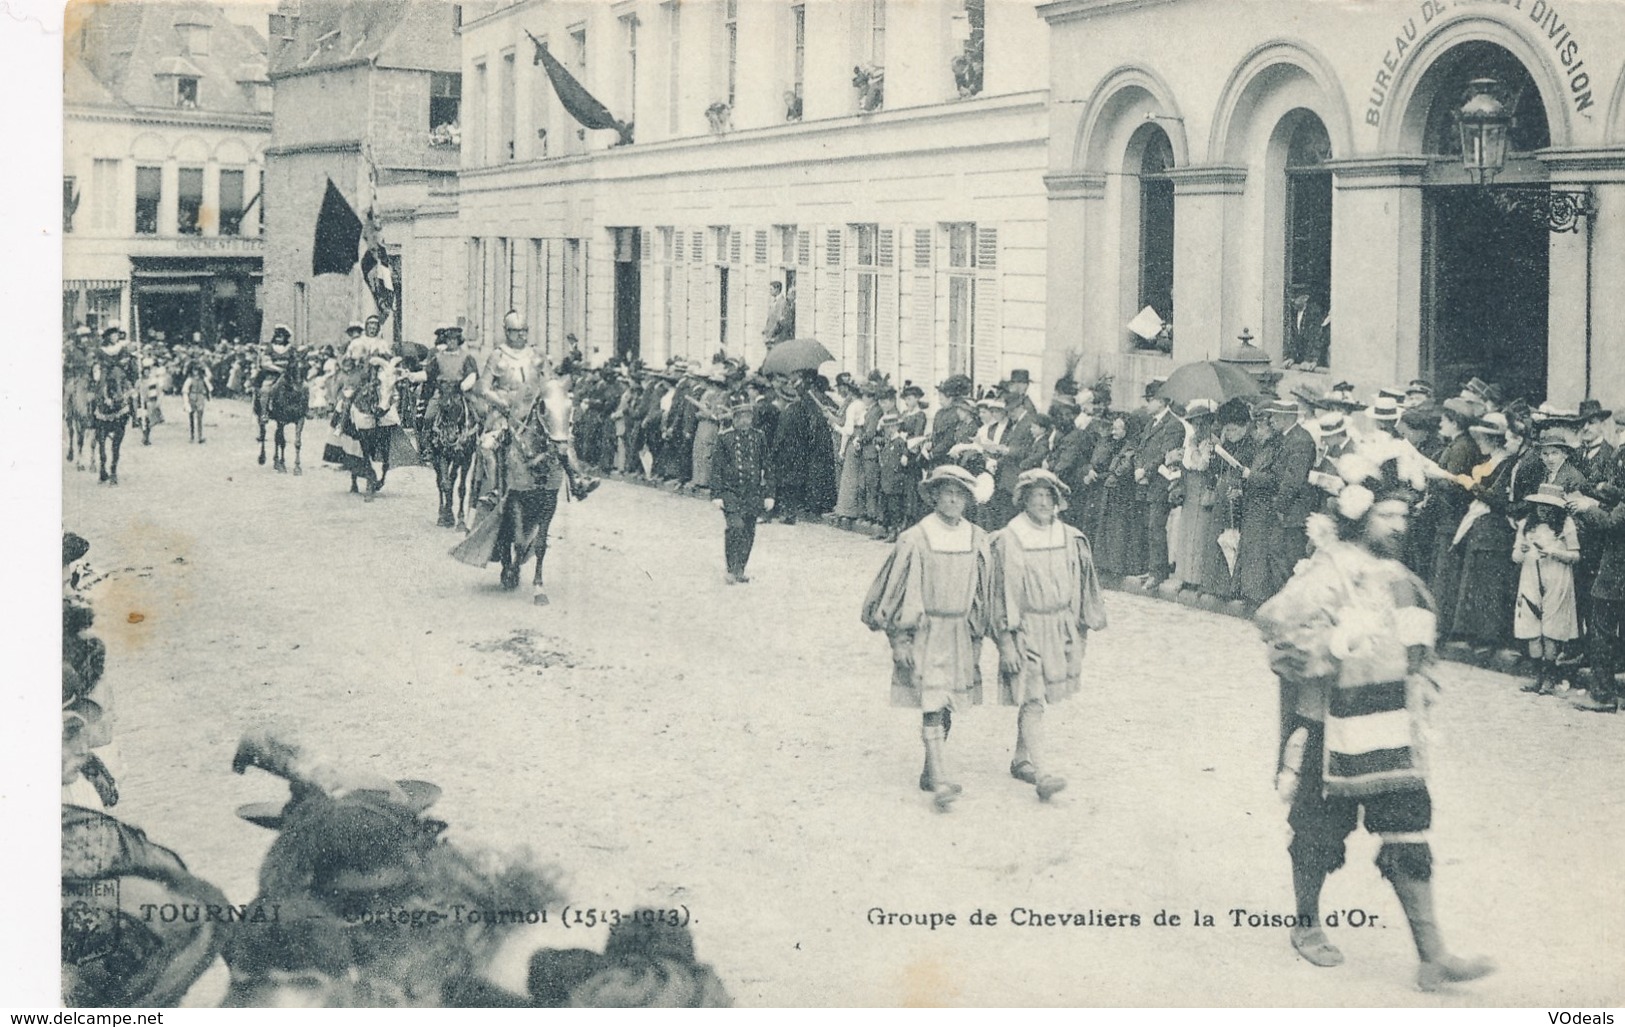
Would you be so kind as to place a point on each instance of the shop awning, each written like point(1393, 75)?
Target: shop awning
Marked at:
point(155, 288)
point(139, 273)
point(92, 284)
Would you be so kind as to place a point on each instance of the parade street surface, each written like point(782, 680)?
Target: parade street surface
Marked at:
point(728, 753)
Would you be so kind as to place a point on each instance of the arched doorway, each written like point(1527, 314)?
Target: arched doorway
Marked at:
point(1485, 269)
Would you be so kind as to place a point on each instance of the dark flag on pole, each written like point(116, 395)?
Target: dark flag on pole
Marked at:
point(338, 235)
point(582, 105)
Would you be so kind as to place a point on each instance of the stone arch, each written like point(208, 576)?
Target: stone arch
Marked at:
point(1274, 67)
point(150, 147)
point(1128, 93)
point(192, 149)
point(233, 151)
point(1404, 113)
point(1614, 127)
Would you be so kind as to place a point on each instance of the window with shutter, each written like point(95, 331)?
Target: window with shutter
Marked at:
point(886, 256)
point(919, 328)
point(696, 244)
point(677, 310)
point(922, 247)
point(832, 247)
point(987, 248)
point(804, 249)
point(677, 251)
point(555, 293)
point(697, 310)
point(733, 248)
point(886, 322)
point(761, 246)
point(987, 321)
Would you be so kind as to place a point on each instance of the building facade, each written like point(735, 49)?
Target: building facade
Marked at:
point(884, 161)
point(366, 98)
point(166, 118)
point(1314, 148)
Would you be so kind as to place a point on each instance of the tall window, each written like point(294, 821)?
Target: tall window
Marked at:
point(189, 201)
point(961, 296)
point(477, 116)
point(541, 110)
point(1157, 233)
point(875, 45)
point(104, 194)
point(730, 32)
point(865, 241)
point(445, 101)
point(969, 32)
point(720, 252)
point(629, 83)
point(70, 202)
point(231, 202)
point(507, 107)
point(1308, 244)
point(674, 66)
point(798, 35)
point(572, 289)
point(186, 92)
point(578, 56)
point(149, 188)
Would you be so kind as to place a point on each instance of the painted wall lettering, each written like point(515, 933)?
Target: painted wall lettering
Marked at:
point(1548, 24)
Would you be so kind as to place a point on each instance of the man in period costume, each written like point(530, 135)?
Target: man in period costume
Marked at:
point(1351, 641)
point(739, 478)
point(370, 343)
point(1045, 601)
point(514, 372)
point(931, 599)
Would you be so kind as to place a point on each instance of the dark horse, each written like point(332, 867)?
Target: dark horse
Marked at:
point(285, 399)
point(110, 413)
point(451, 429)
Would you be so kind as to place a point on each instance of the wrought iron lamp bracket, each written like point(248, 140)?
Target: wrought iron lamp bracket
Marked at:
point(1560, 210)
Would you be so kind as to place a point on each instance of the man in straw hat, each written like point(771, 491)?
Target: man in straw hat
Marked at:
point(1351, 639)
point(1046, 600)
point(739, 479)
point(931, 599)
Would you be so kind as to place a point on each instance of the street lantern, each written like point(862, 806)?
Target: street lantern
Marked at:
point(1483, 121)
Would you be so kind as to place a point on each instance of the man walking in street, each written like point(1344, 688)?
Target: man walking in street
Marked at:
point(1351, 641)
point(739, 479)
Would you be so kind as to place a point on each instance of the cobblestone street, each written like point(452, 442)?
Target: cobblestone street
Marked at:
point(667, 739)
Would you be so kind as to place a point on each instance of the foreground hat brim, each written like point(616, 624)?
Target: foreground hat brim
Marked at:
point(420, 795)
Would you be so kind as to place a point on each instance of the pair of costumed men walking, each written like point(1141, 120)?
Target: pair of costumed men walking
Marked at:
point(1351, 639)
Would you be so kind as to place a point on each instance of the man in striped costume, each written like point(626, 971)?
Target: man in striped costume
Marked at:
point(1351, 640)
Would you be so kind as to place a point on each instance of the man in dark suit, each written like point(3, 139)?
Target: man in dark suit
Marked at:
point(1605, 628)
point(739, 470)
point(1025, 442)
point(1016, 400)
point(956, 420)
point(1306, 332)
point(1155, 472)
point(1295, 497)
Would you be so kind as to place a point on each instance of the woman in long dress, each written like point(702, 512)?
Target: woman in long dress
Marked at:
point(849, 492)
point(1235, 435)
point(1046, 600)
point(931, 599)
point(1122, 530)
point(1191, 547)
point(711, 407)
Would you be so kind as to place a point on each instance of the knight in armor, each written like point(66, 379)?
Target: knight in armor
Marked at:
point(273, 362)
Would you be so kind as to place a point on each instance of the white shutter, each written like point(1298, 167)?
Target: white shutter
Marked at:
point(831, 291)
point(917, 331)
point(987, 320)
point(697, 301)
point(739, 325)
point(887, 307)
point(679, 305)
point(761, 246)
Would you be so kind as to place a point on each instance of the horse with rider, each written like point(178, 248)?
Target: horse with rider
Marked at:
point(78, 371)
point(113, 399)
point(526, 456)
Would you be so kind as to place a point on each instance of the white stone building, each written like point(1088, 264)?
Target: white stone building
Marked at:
point(1203, 154)
point(909, 219)
point(166, 117)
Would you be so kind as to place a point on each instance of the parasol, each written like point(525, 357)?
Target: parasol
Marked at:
point(1208, 379)
point(796, 355)
point(1229, 543)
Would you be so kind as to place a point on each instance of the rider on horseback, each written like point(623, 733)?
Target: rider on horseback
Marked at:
point(274, 362)
point(450, 425)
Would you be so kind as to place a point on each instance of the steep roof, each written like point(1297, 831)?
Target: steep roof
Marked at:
point(130, 52)
point(417, 34)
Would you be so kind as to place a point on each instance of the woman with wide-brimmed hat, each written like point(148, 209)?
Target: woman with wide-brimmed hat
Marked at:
point(1046, 600)
point(931, 599)
point(1473, 582)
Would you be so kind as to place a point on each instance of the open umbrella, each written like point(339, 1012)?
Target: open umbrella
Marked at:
point(1209, 379)
point(796, 355)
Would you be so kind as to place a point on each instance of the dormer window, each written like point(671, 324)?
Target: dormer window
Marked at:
point(194, 39)
point(186, 92)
